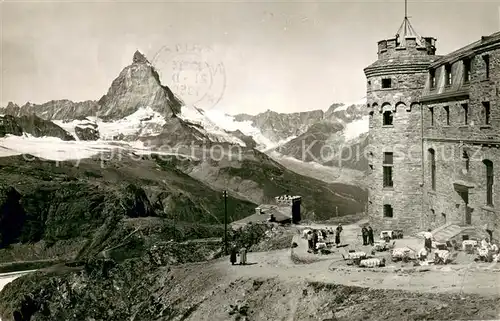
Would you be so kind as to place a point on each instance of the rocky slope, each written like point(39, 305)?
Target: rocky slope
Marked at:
point(142, 290)
point(32, 125)
point(55, 109)
point(60, 203)
point(138, 85)
point(252, 175)
point(335, 137)
point(281, 126)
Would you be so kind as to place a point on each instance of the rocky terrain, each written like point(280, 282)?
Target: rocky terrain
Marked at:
point(81, 209)
point(166, 285)
point(31, 125)
point(130, 208)
point(70, 207)
point(334, 138)
point(281, 126)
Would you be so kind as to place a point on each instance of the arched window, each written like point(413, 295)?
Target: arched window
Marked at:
point(489, 182)
point(400, 106)
point(388, 118)
point(432, 160)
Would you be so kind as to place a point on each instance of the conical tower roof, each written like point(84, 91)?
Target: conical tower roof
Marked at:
point(406, 30)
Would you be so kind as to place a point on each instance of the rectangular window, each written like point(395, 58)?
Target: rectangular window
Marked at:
point(447, 115)
point(486, 112)
point(467, 70)
point(386, 83)
point(489, 182)
point(388, 211)
point(431, 113)
point(388, 158)
point(465, 108)
point(388, 162)
point(432, 157)
point(388, 176)
point(486, 59)
point(447, 71)
point(432, 78)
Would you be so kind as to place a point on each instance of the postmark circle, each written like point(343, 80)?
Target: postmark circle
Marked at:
point(193, 73)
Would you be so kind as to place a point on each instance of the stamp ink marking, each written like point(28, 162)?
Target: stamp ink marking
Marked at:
point(193, 73)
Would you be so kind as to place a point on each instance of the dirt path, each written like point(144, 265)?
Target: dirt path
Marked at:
point(279, 264)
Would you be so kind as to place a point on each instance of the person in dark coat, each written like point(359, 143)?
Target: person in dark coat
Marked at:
point(18, 316)
point(364, 233)
point(371, 241)
point(233, 255)
point(337, 235)
point(310, 240)
point(315, 239)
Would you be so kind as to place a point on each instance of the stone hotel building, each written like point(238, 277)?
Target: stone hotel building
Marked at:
point(434, 151)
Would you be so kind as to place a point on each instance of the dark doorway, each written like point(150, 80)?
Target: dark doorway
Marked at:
point(467, 211)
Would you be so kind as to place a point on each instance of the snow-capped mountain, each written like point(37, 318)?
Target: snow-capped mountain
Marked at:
point(137, 107)
point(140, 112)
point(317, 136)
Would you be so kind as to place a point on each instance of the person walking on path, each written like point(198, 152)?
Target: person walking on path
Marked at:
point(243, 256)
point(233, 255)
point(364, 233)
point(371, 241)
point(337, 235)
point(428, 240)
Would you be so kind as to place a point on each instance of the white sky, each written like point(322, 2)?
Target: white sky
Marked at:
point(280, 56)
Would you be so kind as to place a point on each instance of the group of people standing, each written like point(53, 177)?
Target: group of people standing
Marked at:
point(234, 254)
point(367, 233)
point(314, 236)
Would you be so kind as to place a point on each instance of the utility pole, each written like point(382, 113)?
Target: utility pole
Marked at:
point(336, 211)
point(225, 221)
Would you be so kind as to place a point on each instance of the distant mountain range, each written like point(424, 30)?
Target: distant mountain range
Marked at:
point(158, 159)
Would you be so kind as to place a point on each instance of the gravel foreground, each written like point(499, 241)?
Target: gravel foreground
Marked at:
point(267, 290)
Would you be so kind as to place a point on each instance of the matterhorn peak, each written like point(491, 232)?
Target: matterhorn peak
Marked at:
point(139, 58)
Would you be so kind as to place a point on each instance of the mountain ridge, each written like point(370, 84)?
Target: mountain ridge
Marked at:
point(161, 120)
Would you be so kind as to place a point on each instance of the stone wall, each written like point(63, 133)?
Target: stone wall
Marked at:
point(403, 139)
point(450, 170)
point(479, 90)
point(478, 140)
point(453, 131)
